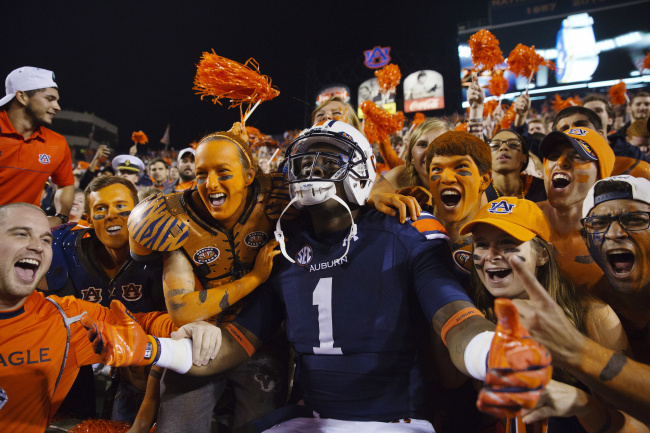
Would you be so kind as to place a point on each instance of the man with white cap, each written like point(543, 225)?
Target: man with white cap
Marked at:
point(29, 152)
point(186, 173)
point(616, 229)
point(129, 167)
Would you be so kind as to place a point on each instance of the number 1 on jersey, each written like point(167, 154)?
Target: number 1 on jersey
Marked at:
point(323, 298)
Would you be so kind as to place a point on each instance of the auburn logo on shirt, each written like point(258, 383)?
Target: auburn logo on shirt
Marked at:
point(463, 260)
point(256, 239)
point(132, 292)
point(91, 294)
point(206, 255)
point(44, 158)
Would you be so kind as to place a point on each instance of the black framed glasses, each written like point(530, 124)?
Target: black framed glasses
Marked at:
point(513, 144)
point(630, 221)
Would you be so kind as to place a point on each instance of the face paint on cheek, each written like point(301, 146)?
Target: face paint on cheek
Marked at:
point(511, 251)
point(522, 258)
point(124, 214)
point(222, 178)
point(435, 177)
point(200, 181)
point(594, 244)
point(478, 267)
point(465, 173)
point(99, 217)
point(582, 178)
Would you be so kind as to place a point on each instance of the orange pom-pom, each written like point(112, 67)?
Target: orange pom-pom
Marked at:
point(139, 137)
point(508, 118)
point(418, 118)
point(194, 145)
point(100, 426)
point(489, 106)
point(257, 139)
point(219, 77)
point(646, 62)
point(379, 123)
point(498, 84)
point(461, 127)
point(524, 61)
point(388, 78)
point(617, 93)
point(486, 53)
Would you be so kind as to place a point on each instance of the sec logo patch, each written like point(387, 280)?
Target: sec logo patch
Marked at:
point(256, 239)
point(206, 255)
point(304, 256)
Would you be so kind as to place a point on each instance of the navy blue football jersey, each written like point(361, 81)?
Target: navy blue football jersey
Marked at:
point(74, 271)
point(354, 323)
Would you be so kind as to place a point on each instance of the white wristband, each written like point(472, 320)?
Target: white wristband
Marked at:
point(476, 354)
point(175, 354)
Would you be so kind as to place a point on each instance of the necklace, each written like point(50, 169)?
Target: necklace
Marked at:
point(521, 184)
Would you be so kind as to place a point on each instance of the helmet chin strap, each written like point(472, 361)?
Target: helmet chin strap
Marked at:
point(279, 235)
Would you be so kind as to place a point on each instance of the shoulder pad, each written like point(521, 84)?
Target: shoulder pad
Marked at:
point(62, 245)
point(153, 226)
point(278, 197)
point(429, 226)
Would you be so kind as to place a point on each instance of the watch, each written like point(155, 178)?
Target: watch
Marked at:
point(64, 218)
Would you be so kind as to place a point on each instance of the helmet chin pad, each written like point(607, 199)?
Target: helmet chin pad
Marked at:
point(310, 193)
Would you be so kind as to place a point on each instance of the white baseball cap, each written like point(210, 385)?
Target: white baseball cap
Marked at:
point(25, 79)
point(636, 188)
point(183, 152)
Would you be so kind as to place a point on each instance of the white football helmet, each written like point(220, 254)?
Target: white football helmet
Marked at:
point(327, 153)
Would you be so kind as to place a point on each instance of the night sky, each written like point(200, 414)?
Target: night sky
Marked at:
point(133, 63)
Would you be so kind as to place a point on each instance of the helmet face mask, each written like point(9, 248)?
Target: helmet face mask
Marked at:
point(326, 154)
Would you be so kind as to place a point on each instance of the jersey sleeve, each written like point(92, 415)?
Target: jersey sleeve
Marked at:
point(432, 267)
point(263, 313)
point(63, 176)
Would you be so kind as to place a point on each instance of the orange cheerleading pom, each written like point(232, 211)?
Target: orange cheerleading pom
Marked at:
point(498, 84)
point(617, 93)
point(379, 123)
point(220, 77)
point(486, 53)
point(418, 118)
point(101, 426)
point(461, 127)
point(646, 62)
point(508, 118)
point(139, 137)
point(388, 78)
point(489, 106)
point(524, 61)
point(559, 104)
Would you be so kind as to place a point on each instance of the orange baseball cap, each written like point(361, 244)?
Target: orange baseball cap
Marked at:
point(588, 143)
point(520, 218)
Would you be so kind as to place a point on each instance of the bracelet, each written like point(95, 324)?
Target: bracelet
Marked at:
point(64, 218)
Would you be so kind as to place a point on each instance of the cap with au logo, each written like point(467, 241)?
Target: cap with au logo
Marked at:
point(589, 144)
point(520, 218)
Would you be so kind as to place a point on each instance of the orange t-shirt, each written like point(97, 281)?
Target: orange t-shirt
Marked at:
point(26, 164)
point(32, 350)
point(184, 186)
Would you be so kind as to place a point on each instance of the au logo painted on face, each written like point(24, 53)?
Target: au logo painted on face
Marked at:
point(501, 207)
point(256, 239)
point(304, 256)
point(206, 255)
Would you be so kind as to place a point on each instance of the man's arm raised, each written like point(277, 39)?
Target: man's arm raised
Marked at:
point(618, 379)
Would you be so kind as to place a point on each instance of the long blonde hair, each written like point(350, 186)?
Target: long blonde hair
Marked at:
point(410, 176)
